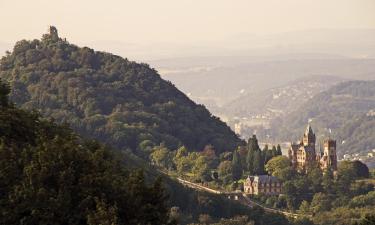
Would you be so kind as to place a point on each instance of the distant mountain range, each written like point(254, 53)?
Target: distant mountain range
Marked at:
point(216, 86)
point(344, 112)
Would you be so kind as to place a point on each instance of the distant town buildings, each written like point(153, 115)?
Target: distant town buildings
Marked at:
point(303, 154)
point(262, 184)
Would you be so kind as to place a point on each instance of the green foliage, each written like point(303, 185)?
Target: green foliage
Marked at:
point(109, 98)
point(236, 166)
point(349, 171)
point(315, 176)
point(328, 182)
point(162, 157)
point(304, 207)
point(363, 200)
point(278, 150)
point(277, 165)
point(342, 215)
point(250, 161)
point(303, 221)
point(258, 163)
point(320, 203)
point(4, 91)
point(361, 170)
point(225, 172)
point(255, 158)
point(201, 169)
point(51, 176)
point(368, 220)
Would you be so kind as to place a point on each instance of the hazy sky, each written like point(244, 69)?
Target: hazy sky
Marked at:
point(180, 21)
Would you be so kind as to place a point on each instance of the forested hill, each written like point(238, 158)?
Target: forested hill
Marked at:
point(50, 175)
point(345, 109)
point(104, 96)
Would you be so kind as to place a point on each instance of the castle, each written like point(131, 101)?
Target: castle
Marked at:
point(303, 154)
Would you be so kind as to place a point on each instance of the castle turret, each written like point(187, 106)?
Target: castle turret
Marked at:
point(329, 159)
point(309, 137)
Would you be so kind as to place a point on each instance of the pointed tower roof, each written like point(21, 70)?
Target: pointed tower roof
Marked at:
point(309, 137)
point(309, 130)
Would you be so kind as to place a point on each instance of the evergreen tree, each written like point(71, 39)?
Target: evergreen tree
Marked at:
point(274, 151)
point(250, 161)
point(258, 163)
point(236, 166)
point(267, 154)
point(253, 143)
point(278, 150)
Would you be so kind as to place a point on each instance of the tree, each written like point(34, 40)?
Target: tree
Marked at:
point(209, 153)
point(328, 182)
point(55, 177)
point(277, 164)
point(315, 178)
point(274, 151)
point(267, 153)
point(320, 203)
point(346, 174)
point(361, 169)
point(236, 166)
point(278, 150)
point(265, 148)
point(303, 221)
point(368, 220)
point(200, 169)
point(225, 171)
point(252, 143)
point(258, 163)
point(255, 158)
point(162, 157)
point(183, 165)
point(304, 207)
point(250, 161)
point(181, 153)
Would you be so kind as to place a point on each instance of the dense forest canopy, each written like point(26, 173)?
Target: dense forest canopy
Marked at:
point(101, 95)
point(49, 175)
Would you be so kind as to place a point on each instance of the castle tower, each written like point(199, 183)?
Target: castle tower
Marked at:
point(329, 159)
point(309, 137)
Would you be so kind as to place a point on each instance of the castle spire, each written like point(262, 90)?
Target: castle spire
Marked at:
point(309, 136)
point(308, 130)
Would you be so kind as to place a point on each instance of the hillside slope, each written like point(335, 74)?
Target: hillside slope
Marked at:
point(280, 100)
point(343, 109)
point(109, 98)
point(50, 175)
